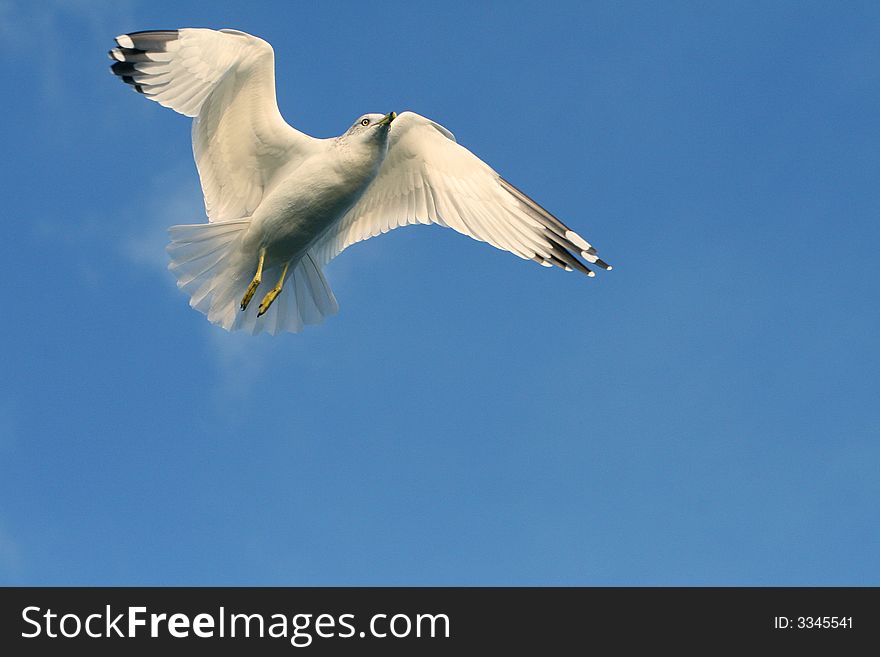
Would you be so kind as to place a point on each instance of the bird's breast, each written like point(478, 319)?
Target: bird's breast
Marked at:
point(306, 203)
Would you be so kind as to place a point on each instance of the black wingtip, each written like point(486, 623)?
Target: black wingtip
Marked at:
point(164, 34)
point(123, 69)
point(147, 39)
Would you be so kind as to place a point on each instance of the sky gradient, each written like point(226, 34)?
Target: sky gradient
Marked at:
point(705, 414)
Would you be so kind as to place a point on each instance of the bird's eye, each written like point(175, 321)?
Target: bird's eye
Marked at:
point(365, 122)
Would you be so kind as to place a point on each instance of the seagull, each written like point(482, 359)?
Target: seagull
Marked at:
point(281, 204)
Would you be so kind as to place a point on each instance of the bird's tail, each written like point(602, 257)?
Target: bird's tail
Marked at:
point(211, 268)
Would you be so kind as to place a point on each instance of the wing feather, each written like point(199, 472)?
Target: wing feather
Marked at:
point(429, 178)
point(225, 80)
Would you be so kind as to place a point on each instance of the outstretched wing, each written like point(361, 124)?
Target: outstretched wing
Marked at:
point(428, 178)
point(225, 80)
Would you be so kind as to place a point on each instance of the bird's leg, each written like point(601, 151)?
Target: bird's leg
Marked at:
point(274, 292)
point(249, 294)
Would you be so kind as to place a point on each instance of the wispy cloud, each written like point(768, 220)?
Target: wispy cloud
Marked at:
point(21, 21)
point(173, 198)
point(240, 359)
point(38, 28)
point(78, 236)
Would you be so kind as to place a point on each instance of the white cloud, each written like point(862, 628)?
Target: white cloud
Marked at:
point(244, 363)
point(240, 359)
point(21, 21)
point(39, 32)
point(78, 236)
point(173, 198)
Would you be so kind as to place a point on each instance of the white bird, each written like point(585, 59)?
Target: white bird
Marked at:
point(282, 204)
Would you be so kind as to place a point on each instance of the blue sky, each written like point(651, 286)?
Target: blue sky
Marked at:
point(706, 413)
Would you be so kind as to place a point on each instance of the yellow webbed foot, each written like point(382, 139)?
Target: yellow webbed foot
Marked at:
point(273, 293)
point(255, 283)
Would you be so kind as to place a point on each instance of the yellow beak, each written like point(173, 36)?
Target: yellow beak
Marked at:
point(388, 118)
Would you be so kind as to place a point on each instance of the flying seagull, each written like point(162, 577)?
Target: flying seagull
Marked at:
point(282, 204)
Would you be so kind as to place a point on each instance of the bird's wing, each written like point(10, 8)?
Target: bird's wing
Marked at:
point(429, 178)
point(225, 80)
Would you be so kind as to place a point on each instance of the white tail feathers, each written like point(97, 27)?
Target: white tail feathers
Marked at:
point(211, 268)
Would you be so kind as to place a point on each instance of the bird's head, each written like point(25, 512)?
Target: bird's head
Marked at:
point(372, 127)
